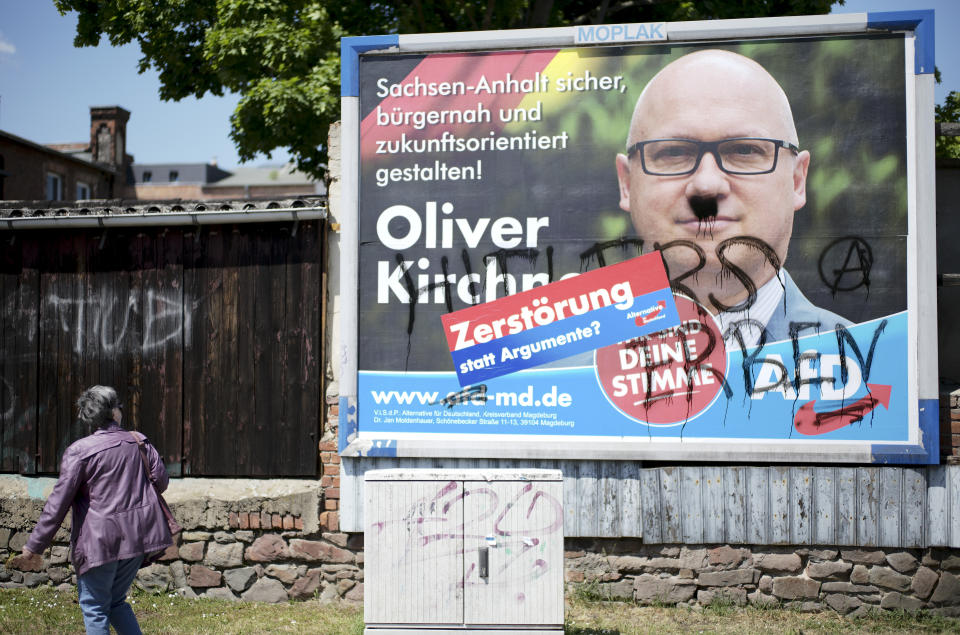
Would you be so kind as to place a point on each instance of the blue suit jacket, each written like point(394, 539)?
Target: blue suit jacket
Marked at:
point(795, 308)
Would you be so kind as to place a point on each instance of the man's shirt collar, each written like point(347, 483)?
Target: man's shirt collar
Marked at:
point(751, 321)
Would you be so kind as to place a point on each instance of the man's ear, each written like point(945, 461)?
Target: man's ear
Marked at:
point(801, 165)
point(623, 176)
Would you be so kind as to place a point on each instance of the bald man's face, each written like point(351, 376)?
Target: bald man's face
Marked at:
point(710, 99)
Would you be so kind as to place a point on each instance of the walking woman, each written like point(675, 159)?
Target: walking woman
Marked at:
point(116, 516)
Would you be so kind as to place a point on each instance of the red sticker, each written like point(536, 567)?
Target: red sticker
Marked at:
point(668, 377)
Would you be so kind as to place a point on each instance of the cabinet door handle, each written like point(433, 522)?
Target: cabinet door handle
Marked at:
point(484, 562)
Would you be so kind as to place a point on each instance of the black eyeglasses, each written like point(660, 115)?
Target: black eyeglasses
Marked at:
point(739, 155)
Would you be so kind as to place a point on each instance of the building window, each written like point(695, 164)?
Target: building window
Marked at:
point(54, 187)
point(83, 191)
point(104, 149)
point(174, 176)
point(147, 176)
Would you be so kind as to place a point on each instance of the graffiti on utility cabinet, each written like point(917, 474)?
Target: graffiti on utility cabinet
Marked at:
point(446, 528)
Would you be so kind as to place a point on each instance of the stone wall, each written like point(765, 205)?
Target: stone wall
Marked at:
point(274, 565)
point(251, 565)
point(279, 539)
point(243, 539)
point(849, 581)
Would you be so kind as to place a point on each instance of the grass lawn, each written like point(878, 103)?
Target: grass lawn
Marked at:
point(44, 610)
point(586, 617)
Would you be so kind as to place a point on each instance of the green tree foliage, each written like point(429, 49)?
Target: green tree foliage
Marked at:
point(283, 56)
point(949, 112)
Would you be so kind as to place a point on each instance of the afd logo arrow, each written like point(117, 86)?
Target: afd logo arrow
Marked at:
point(653, 313)
point(810, 422)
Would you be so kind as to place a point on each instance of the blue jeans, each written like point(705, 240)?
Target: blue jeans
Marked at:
point(103, 597)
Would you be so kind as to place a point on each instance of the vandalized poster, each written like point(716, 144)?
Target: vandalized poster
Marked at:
point(770, 176)
point(530, 328)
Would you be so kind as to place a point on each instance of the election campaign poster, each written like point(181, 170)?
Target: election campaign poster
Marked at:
point(526, 215)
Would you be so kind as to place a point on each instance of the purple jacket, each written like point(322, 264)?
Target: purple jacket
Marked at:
point(115, 509)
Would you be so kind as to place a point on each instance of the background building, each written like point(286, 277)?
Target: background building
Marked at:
point(68, 171)
point(100, 168)
point(203, 181)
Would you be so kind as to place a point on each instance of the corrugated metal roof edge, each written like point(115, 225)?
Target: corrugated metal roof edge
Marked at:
point(40, 214)
point(108, 207)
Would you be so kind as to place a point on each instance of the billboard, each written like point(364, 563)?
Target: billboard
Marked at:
point(778, 172)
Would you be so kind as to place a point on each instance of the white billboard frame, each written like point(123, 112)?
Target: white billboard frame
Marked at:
point(922, 446)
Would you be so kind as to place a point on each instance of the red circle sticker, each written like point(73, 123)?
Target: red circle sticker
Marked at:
point(669, 377)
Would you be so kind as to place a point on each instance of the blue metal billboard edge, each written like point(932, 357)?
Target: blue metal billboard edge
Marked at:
point(350, 49)
point(920, 22)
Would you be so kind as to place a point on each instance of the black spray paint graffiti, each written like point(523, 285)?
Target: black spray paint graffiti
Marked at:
point(474, 394)
point(858, 259)
point(693, 362)
point(694, 365)
point(797, 329)
point(847, 413)
point(728, 268)
point(783, 380)
point(597, 251)
point(446, 282)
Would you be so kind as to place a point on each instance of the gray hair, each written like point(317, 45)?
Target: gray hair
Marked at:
point(95, 406)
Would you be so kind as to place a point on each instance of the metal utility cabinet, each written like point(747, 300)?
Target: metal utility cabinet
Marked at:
point(453, 551)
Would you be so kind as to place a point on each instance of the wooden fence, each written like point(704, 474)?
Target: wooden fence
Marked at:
point(210, 334)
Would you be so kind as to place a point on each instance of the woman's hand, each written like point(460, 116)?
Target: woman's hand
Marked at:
point(27, 561)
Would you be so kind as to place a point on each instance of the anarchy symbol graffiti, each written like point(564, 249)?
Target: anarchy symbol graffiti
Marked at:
point(854, 270)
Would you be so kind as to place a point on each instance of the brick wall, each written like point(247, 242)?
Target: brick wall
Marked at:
point(159, 192)
point(259, 191)
point(200, 192)
point(114, 119)
point(28, 167)
point(950, 425)
point(330, 470)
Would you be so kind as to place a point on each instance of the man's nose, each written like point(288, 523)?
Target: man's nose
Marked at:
point(708, 179)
